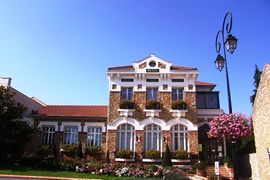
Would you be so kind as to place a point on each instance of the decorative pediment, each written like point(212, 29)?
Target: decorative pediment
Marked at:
point(152, 64)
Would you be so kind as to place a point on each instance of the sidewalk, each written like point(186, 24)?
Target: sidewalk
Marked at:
point(8, 176)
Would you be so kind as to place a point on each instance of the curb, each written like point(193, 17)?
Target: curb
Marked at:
point(41, 177)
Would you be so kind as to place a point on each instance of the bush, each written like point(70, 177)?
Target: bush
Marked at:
point(126, 104)
point(124, 154)
point(92, 150)
point(179, 105)
point(69, 149)
point(79, 151)
point(153, 154)
point(30, 160)
point(174, 175)
point(44, 149)
point(199, 165)
point(152, 105)
point(107, 159)
point(180, 154)
point(228, 160)
point(166, 160)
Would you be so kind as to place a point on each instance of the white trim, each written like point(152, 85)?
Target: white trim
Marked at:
point(139, 125)
point(180, 160)
point(124, 160)
point(94, 124)
point(75, 124)
point(48, 123)
point(178, 113)
point(126, 112)
point(152, 112)
point(151, 160)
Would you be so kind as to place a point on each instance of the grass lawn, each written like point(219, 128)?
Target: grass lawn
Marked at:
point(41, 172)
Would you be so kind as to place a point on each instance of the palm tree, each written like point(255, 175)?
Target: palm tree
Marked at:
point(257, 78)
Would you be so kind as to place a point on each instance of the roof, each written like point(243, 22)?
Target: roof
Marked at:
point(132, 68)
point(200, 83)
point(70, 110)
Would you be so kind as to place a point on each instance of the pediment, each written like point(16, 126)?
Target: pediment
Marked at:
point(152, 64)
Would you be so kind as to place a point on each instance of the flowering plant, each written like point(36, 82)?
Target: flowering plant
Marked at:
point(235, 126)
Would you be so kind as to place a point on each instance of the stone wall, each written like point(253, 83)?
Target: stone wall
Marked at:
point(112, 144)
point(260, 116)
point(139, 145)
point(190, 98)
point(140, 101)
point(165, 98)
point(193, 142)
point(114, 102)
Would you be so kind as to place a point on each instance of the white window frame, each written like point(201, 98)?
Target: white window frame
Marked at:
point(152, 93)
point(178, 137)
point(178, 92)
point(73, 135)
point(47, 134)
point(97, 135)
point(150, 145)
point(128, 92)
point(125, 130)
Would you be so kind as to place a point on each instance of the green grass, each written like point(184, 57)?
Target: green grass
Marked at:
point(42, 172)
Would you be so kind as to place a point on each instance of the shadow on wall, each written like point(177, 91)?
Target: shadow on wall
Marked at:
point(244, 165)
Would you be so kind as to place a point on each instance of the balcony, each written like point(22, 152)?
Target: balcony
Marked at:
point(152, 108)
point(179, 109)
point(126, 108)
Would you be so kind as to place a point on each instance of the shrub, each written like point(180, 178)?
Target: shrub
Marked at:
point(153, 154)
point(126, 104)
point(199, 165)
point(166, 160)
point(124, 154)
point(92, 150)
point(180, 154)
point(107, 159)
point(152, 105)
point(179, 104)
point(69, 149)
point(44, 149)
point(79, 151)
point(228, 160)
point(30, 160)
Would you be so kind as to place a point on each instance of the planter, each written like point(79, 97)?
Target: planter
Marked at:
point(201, 172)
point(152, 112)
point(124, 160)
point(178, 113)
point(151, 160)
point(180, 160)
point(126, 112)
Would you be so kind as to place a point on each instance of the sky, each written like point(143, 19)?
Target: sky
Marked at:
point(59, 50)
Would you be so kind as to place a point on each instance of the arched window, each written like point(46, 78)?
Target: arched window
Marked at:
point(179, 137)
point(125, 137)
point(152, 137)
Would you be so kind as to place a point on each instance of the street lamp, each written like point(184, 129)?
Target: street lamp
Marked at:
point(229, 45)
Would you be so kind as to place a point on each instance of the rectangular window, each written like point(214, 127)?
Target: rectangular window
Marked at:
point(126, 93)
point(152, 80)
point(127, 80)
point(208, 100)
point(47, 134)
point(114, 86)
point(94, 136)
point(177, 80)
point(71, 135)
point(177, 94)
point(151, 93)
point(165, 86)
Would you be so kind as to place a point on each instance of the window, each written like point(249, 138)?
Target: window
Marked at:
point(152, 63)
point(71, 135)
point(177, 80)
point(94, 136)
point(152, 137)
point(127, 80)
point(139, 86)
point(47, 134)
point(152, 80)
point(151, 93)
point(114, 86)
point(126, 93)
point(165, 86)
point(207, 100)
point(177, 94)
point(125, 137)
point(179, 138)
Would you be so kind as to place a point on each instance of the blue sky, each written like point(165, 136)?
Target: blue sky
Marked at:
point(59, 50)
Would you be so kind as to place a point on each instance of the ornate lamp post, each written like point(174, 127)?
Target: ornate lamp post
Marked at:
point(229, 45)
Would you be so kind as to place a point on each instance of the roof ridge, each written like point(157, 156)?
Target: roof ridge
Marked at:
point(63, 105)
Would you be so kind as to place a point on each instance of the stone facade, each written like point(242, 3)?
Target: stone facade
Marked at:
point(112, 144)
point(140, 101)
point(114, 102)
point(260, 116)
point(165, 98)
point(193, 142)
point(190, 99)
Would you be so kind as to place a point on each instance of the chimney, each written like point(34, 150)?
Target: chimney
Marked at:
point(5, 81)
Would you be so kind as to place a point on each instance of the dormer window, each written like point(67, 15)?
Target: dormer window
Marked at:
point(152, 63)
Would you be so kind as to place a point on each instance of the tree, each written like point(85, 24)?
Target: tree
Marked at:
point(235, 126)
point(257, 78)
point(13, 131)
point(166, 160)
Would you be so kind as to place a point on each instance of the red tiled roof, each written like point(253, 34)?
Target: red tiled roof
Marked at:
point(132, 68)
point(86, 111)
point(200, 83)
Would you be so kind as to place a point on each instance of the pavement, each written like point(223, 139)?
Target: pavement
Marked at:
point(21, 177)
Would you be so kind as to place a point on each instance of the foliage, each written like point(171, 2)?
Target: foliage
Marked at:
point(235, 126)
point(179, 105)
point(246, 145)
point(173, 175)
point(152, 105)
point(69, 149)
point(228, 160)
point(257, 79)
point(30, 160)
point(124, 154)
point(199, 165)
point(180, 154)
point(45, 149)
point(153, 154)
point(91, 150)
point(166, 160)
point(13, 131)
point(126, 104)
point(78, 153)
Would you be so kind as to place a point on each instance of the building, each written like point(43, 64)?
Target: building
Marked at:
point(151, 103)
point(260, 116)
